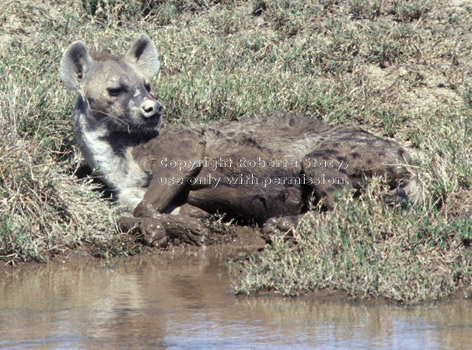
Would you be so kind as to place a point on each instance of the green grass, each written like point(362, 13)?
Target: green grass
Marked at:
point(368, 250)
point(400, 69)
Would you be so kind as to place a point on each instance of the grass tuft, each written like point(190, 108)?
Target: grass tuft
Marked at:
point(368, 250)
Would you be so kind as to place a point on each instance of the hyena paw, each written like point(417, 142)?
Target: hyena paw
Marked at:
point(162, 229)
point(397, 196)
point(186, 229)
point(276, 225)
point(152, 231)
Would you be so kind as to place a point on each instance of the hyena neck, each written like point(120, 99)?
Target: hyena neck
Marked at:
point(109, 154)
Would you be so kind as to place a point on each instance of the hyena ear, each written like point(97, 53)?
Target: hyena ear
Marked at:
point(143, 55)
point(74, 64)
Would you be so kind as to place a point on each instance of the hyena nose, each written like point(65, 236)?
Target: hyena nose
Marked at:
point(151, 108)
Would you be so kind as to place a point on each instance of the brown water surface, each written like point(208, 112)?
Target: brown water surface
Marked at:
point(183, 301)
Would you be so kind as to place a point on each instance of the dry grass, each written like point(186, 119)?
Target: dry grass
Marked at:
point(45, 211)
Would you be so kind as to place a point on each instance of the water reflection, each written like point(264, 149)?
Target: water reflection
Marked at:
point(182, 301)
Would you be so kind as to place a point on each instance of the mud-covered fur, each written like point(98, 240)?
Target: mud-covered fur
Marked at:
point(264, 169)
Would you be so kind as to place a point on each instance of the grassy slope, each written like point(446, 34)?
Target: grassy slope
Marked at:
point(398, 68)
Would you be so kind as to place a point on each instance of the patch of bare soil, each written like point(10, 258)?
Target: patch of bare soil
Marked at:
point(425, 83)
point(247, 236)
point(21, 20)
point(460, 205)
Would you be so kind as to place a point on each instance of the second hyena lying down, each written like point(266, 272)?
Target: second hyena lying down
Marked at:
point(264, 169)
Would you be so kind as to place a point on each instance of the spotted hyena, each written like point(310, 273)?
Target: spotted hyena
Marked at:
point(257, 169)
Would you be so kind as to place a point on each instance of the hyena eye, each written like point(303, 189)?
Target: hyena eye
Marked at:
point(115, 91)
point(148, 87)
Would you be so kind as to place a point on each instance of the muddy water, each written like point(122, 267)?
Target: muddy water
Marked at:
point(183, 301)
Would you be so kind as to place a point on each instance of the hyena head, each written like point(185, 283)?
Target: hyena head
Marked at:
point(114, 91)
